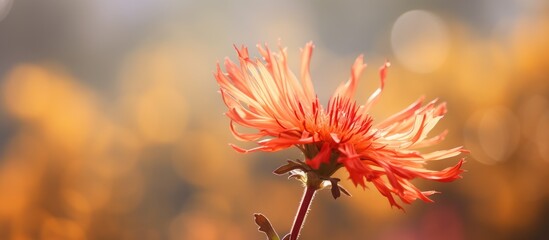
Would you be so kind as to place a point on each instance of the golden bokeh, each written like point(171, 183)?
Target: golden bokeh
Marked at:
point(119, 133)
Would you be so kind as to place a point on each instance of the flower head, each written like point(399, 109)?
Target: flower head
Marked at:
point(264, 94)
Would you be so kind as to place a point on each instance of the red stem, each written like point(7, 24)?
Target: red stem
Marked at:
point(308, 196)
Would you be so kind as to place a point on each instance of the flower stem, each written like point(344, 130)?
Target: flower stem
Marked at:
point(308, 196)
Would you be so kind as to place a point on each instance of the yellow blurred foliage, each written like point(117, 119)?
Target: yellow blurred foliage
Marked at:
point(149, 158)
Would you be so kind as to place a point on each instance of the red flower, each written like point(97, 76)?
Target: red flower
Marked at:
point(285, 111)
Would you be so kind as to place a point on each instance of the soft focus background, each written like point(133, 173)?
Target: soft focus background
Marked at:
point(111, 125)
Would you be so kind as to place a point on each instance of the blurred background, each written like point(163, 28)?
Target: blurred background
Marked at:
point(111, 126)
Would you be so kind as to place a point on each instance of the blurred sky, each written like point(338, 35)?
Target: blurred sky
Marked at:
point(111, 126)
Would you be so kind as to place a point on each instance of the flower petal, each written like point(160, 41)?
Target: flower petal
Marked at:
point(348, 89)
point(374, 97)
point(323, 156)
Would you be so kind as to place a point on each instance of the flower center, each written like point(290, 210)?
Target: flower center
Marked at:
point(328, 165)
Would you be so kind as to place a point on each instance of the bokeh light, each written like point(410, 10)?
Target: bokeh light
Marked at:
point(112, 127)
point(496, 133)
point(542, 135)
point(420, 41)
point(5, 7)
